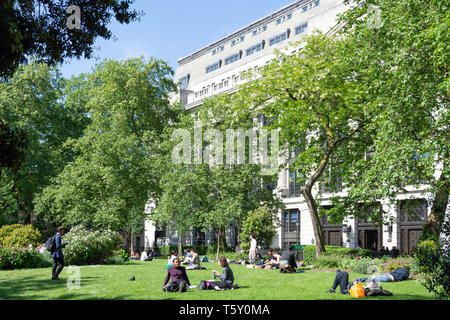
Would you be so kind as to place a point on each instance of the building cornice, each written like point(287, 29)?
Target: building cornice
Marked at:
point(240, 32)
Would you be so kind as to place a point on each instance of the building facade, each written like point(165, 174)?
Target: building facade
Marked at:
point(216, 69)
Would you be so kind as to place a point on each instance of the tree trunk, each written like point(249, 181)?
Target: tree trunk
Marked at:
point(237, 249)
point(180, 244)
point(131, 243)
point(439, 207)
point(318, 234)
point(218, 244)
point(220, 241)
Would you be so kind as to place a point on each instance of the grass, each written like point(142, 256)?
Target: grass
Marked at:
point(112, 282)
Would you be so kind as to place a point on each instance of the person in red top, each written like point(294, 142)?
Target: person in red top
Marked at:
point(178, 276)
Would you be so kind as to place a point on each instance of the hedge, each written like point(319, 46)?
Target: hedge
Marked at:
point(309, 253)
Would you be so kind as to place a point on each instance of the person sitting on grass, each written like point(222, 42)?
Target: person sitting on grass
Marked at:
point(273, 262)
point(399, 274)
point(134, 256)
point(145, 256)
point(173, 255)
point(287, 263)
point(226, 278)
point(179, 278)
point(194, 261)
point(186, 257)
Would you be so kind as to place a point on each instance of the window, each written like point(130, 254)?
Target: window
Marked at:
point(311, 5)
point(213, 66)
point(184, 82)
point(291, 220)
point(301, 28)
point(413, 210)
point(283, 19)
point(238, 40)
point(217, 50)
point(255, 48)
point(259, 30)
point(232, 58)
point(279, 38)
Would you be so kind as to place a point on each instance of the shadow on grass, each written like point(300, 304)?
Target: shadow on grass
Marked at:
point(13, 289)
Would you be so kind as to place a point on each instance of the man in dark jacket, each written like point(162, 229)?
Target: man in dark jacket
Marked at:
point(57, 255)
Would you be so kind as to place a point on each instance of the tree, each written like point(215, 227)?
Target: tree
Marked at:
point(208, 194)
point(317, 103)
point(114, 171)
point(32, 106)
point(403, 61)
point(30, 27)
point(263, 223)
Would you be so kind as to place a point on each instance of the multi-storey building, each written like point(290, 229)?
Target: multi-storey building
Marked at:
point(216, 69)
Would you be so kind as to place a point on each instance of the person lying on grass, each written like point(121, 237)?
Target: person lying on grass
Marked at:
point(341, 280)
point(398, 274)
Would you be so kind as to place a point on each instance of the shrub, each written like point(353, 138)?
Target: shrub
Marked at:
point(433, 260)
point(309, 253)
point(122, 254)
point(19, 236)
point(20, 258)
point(367, 266)
point(90, 247)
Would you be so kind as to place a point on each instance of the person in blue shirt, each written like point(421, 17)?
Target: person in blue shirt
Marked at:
point(396, 275)
point(57, 255)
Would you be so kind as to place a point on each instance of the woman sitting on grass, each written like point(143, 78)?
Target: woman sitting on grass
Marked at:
point(226, 277)
point(273, 262)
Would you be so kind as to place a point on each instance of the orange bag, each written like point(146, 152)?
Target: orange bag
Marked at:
point(357, 291)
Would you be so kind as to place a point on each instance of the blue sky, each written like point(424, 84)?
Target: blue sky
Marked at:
point(172, 29)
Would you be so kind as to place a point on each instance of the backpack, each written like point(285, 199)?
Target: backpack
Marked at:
point(357, 291)
point(50, 245)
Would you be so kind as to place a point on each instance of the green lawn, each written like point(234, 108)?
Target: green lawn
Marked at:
point(112, 282)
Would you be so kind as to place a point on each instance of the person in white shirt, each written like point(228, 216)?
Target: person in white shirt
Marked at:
point(145, 256)
point(252, 251)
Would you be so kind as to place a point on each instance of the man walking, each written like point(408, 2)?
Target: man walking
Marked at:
point(57, 255)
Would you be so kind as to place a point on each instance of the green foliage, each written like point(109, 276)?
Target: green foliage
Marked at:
point(20, 258)
point(41, 29)
point(90, 247)
point(433, 261)
point(20, 236)
point(33, 102)
point(115, 163)
point(407, 78)
point(263, 223)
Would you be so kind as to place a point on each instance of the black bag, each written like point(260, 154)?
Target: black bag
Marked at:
point(50, 245)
